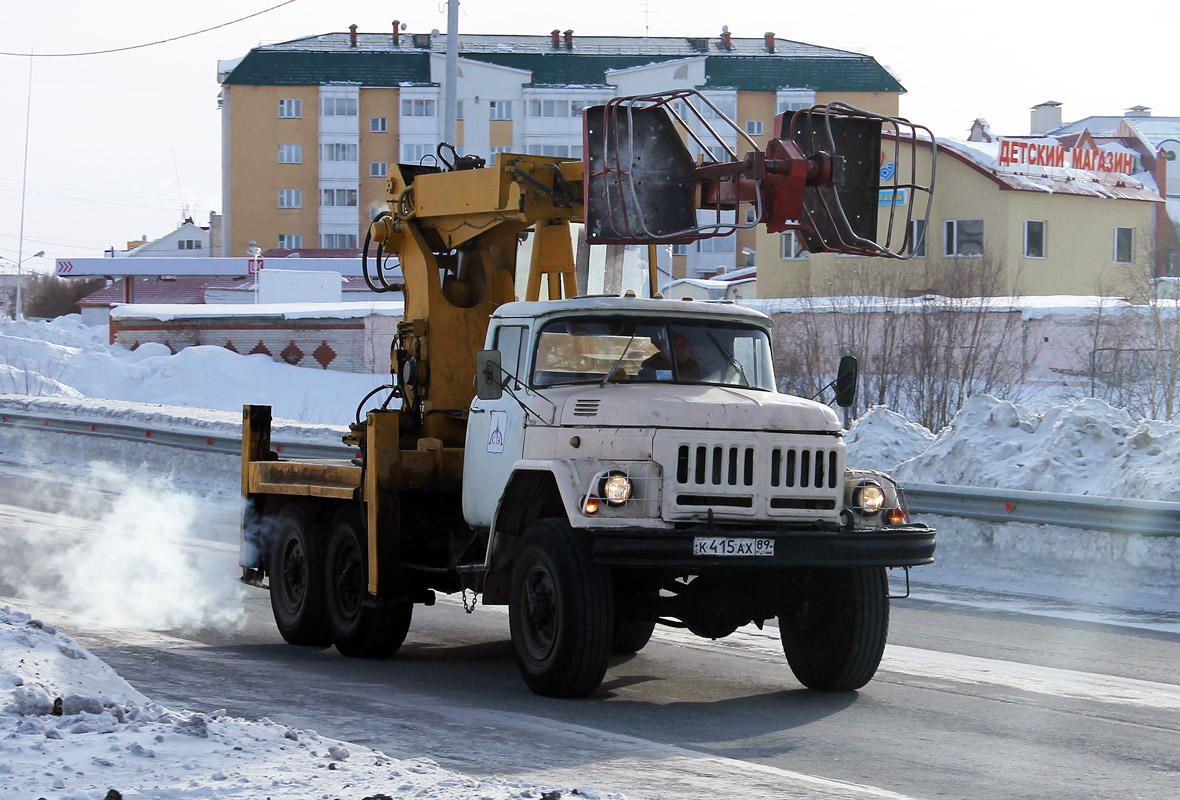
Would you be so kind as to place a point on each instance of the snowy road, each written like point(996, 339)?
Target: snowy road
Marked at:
point(970, 701)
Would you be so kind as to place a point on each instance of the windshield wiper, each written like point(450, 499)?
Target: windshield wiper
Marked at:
point(733, 361)
point(619, 360)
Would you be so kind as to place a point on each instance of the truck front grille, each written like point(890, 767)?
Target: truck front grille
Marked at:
point(763, 474)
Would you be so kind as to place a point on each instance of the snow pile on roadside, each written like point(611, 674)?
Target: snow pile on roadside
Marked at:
point(70, 727)
point(64, 358)
point(1086, 447)
point(881, 439)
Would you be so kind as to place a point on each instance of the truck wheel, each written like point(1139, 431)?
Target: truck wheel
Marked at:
point(835, 634)
point(297, 577)
point(561, 612)
point(632, 635)
point(357, 629)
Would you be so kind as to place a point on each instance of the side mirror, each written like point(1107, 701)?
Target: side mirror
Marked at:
point(489, 382)
point(846, 375)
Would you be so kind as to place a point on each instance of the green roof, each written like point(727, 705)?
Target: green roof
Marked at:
point(769, 74)
point(310, 68)
point(847, 72)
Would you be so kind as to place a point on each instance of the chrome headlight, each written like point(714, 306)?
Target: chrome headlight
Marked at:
point(615, 488)
point(869, 497)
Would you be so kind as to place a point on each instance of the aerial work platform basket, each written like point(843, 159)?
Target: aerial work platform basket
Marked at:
point(672, 168)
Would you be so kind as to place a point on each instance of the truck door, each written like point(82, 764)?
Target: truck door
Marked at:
point(495, 431)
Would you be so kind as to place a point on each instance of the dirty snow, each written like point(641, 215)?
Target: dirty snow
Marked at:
point(71, 728)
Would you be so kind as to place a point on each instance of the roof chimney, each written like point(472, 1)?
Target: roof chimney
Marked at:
point(769, 41)
point(1045, 117)
point(725, 42)
point(569, 39)
point(556, 34)
point(352, 35)
point(396, 32)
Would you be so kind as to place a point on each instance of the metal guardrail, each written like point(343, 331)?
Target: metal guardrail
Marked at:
point(1145, 517)
point(1118, 514)
point(197, 440)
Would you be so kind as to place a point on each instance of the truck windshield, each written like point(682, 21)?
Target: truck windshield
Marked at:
point(587, 350)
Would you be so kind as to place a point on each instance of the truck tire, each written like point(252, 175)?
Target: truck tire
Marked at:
point(297, 577)
point(561, 612)
point(632, 635)
point(358, 629)
point(835, 635)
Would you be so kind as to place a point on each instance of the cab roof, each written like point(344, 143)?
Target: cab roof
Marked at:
point(629, 306)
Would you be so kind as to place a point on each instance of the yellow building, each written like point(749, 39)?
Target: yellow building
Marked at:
point(1005, 219)
point(310, 127)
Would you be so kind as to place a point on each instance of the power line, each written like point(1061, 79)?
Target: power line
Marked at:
point(148, 44)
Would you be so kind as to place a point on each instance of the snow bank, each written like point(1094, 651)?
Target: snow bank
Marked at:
point(64, 358)
point(70, 727)
point(1086, 447)
point(881, 439)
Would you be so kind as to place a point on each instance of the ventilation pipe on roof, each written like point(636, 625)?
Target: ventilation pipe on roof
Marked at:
point(769, 41)
point(396, 32)
point(569, 38)
point(726, 44)
point(1045, 117)
point(352, 35)
point(556, 36)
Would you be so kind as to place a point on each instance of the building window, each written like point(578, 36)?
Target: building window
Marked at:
point(414, 153)
point(378, 125)
point(338, 106)
point(1124, 245)
point(338, 197)
point(418, 108)
point(378, 169)
point(751, 216)
point(337, 241)
point(549, 108)
point(556, 150)
point(290, 241)
point(718, 244)
point(290, 154)
point(578, 106)
point(964, 237)
point(721, 107)
point(918, 237)
point(795, 100)
point(495, 150)
point(792, 247)
point(500, 109)
point(754, 127)
point(290, 198)
point(458, 110)
point(679, 249)
point(188, 244)
point(338, 151)
point(290, 109)
point(1034, 238)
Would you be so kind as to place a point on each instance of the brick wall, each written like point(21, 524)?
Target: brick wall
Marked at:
point(359, 344)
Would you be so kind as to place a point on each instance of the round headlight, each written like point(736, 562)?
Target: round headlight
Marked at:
point(616, 489)
point(870, 498)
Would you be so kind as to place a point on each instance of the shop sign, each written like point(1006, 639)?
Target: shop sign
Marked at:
point(1014, 152)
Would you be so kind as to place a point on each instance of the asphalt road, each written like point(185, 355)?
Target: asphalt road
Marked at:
point(969, 703)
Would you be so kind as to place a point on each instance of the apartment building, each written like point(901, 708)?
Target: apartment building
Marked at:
point(310, 127)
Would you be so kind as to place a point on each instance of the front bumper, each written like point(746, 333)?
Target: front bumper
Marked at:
point(900, 546)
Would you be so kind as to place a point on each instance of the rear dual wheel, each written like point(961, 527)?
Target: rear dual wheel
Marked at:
point(296, 575)
point(358, 629)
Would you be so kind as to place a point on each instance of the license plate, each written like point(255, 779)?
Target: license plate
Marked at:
point(727, 546)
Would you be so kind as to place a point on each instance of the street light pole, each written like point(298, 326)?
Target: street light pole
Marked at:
point(20, 247)
point(18, 312)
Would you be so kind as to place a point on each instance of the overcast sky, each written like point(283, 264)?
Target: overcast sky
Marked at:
point(121, 144)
